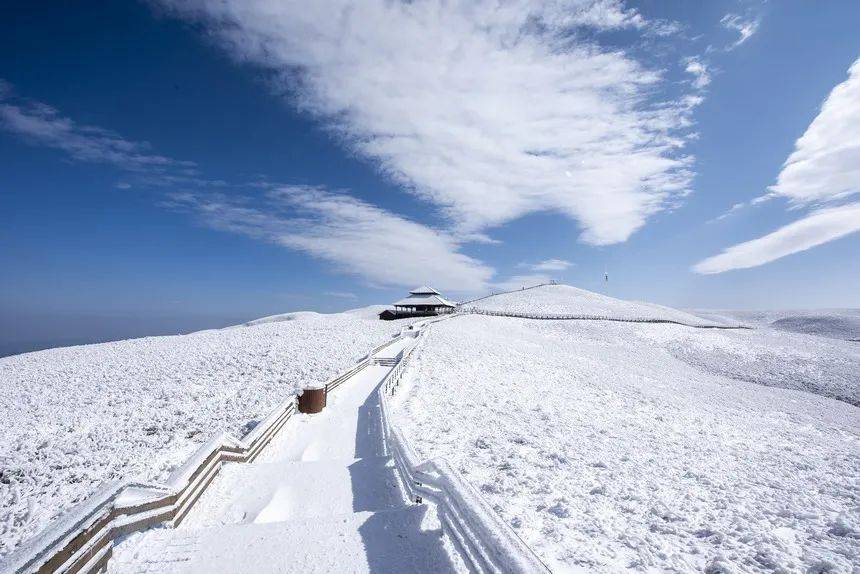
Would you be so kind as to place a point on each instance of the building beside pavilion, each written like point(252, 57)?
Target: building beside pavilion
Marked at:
point(422, 302)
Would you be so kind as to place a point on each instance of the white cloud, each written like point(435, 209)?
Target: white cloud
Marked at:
point(479, 107)
point(520, 281)
point(548, 265)
point(818, 228)
point(40, 124)
point(699, 70)
point(825, 164)
point(823, 168)
point(745, 27)
point(341, 294)
point(731, 211)
point(357, 237)
point(600, 14)
point(379, 246)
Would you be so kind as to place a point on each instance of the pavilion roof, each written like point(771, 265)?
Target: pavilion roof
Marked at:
point(424, 290)
point(433, 300)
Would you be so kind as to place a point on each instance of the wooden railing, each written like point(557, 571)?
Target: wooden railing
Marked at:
point(82, 539)
point(481, 537)
point(340, 379)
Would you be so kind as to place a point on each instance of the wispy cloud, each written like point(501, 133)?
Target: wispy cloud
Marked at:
point(548, 265)
point(823, 169)
point(342, 294)
point(697, 68)
point(358, 238)
point(40, 124)
point(488, 110)
point(816, 229)
point(730, 211)
point(744, 26)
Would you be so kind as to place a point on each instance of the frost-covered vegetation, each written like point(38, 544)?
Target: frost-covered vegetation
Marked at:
point(649, 447)
point(75, 417)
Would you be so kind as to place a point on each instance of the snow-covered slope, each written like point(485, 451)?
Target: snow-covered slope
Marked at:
point(832, 323)
point(648, 447)
point(567, 300)
point(77, 416)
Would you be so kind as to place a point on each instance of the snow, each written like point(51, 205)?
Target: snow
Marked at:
point(832, 323)
point(76, 417)
point(768, 357)
point(648, 447)
point(323, 497)
point(567, 300)
point(357, 543)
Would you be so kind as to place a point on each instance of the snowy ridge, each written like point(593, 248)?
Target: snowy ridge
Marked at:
point(502, 293)
point(479, 534)
point(841, 324)
point(563, 302)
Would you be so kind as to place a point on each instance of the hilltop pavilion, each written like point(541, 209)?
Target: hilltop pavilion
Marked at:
point(422, 302)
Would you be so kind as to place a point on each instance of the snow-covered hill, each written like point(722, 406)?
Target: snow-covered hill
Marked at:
point(77, 416)
point(832, 323)
point(567, 300)
point(648, 447)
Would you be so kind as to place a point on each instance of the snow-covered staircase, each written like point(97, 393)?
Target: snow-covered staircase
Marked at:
point(324, 497)
point(386, 541)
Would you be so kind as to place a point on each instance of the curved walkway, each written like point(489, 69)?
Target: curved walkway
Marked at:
point(324, 497)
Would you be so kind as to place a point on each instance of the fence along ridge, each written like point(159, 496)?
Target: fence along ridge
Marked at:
point(81, 539)
point(585, 317)
point(504, 293)
point(576, 316)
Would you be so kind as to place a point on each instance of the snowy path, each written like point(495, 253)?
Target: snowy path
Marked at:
point(324, 497)
point(391, 351)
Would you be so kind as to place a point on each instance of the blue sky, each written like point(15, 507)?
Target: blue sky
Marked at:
point(169, 166)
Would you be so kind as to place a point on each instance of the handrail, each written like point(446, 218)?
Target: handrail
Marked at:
point(82, 539)
point(343, 376)
point(584, 317)
point(378, 348)
point(479, 534)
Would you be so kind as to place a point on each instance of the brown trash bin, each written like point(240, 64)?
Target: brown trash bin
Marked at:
point(312, 401)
